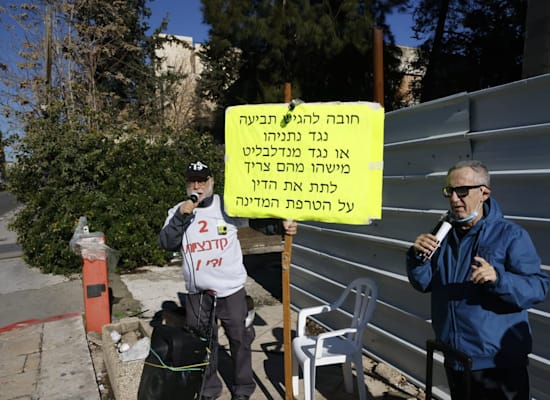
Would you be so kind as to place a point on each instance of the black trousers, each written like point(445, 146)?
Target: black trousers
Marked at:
point(490, 384)
point(231, 311)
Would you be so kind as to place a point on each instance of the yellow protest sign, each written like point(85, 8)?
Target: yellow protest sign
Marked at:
point(316, 162)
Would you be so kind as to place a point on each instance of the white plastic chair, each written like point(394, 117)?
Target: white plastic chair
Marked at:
point(342, 346)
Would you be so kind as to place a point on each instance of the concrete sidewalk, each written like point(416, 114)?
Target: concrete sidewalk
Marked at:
point(153, 286)
point(268, 364)
point(50, 359)
point(46, 359)
point(43, 348)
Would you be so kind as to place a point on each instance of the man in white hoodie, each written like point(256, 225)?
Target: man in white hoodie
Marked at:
point(213, 262)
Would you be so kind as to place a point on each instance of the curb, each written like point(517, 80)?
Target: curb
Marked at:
point(23, 324)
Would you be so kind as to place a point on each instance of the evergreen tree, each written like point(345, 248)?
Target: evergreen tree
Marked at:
point(469, 44)
point(323, 48)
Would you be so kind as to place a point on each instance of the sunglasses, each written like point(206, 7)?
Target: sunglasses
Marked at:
point(461, 191)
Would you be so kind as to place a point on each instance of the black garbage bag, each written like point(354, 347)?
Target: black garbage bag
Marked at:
point(175, 365)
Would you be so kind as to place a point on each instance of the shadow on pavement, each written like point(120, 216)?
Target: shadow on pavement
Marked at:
point(265, 269)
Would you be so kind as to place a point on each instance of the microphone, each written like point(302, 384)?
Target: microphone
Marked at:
point(194, 197)
point(440, 231)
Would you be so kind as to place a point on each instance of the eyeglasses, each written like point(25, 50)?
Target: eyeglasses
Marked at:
point(461, 191)
point(197, 180)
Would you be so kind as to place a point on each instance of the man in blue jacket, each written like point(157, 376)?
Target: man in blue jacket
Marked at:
point(483, 276)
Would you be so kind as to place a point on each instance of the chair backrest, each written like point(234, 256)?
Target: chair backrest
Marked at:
point(364, 303)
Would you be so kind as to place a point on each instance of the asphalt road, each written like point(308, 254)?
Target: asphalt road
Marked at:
point(7, 202)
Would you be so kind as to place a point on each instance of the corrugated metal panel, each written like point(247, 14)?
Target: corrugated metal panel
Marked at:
point(521, 103)
point(434, 118)
point(506, 148)
point(423, 157)
point(506, 127)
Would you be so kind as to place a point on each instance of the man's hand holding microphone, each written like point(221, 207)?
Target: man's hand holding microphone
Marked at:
point(427, 243)
point(187, 207)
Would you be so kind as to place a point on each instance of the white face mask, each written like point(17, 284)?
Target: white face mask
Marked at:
point(465, 220)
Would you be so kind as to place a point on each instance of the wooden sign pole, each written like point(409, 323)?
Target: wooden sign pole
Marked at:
point(378, 51)
point(285, 263)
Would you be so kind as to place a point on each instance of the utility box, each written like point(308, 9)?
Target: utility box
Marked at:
point(95, 282)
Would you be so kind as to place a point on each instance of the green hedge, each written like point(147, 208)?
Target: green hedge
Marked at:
point(124, 186)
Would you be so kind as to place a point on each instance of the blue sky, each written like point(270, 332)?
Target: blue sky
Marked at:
point(185, 19)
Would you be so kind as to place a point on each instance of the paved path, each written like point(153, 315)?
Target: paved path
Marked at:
point(154, 285)
point(46, 359)
point(43, 348)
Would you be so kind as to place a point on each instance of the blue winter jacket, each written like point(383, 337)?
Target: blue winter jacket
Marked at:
point(486, 321)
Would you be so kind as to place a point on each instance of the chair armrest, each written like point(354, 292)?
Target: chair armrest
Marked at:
point(325, 335)
point(306, 312)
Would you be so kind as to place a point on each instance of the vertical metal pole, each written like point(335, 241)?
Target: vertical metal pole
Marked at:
point(285, 263)
point(378, 52)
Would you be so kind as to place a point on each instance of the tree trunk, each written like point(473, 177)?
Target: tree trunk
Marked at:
point(536, 54)
point(430, 80)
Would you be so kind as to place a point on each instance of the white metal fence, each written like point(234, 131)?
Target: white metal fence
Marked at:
point(508, 128)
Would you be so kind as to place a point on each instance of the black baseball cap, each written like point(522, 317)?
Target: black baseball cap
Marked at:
point(198, 171)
